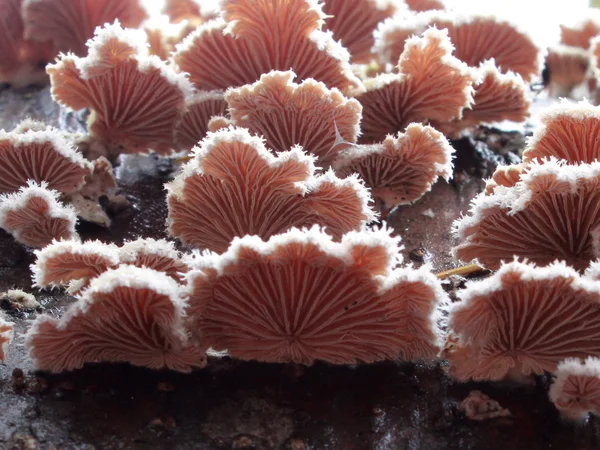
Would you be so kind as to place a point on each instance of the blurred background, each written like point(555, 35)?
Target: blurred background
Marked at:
point(540, 17)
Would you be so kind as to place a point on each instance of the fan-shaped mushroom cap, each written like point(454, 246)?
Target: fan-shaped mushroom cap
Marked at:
point(432, 85)
point(22, 60)
point(567, 67)
point(234, 186)
point(550, 214)
point(321, 120)
point(506, 176)
point(136, 99)
point(425, 5)
point(477, 38)
point(576, 389)
point(300, 297)
point(265, 35)
point(130, 314)
point(522, 321)
point(199, 109)
point(498, 97)
point(31, 153)
point(401, 169)
point(73, 263)
point(6, 336)
point(353, 22)
point(154, 254)
point(35, 217)
point(569, 132)
point(581, 33)
point(70, 23)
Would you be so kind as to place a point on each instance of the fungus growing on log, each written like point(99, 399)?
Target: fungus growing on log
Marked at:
point(354, 21)
point(265, 35)
point(6, 336)
point(551, 213)
point(151, 95)
point(68, 24)
point(476, 39)
point(301, 297)
point(321, 120)
point(567, 68)
point(234, 186)
point(199, 109)
point(432, 85)
point(576, 389)
point(129, 314)
point(497, 97)
point(35, 217)
point(35, 152)
point(401, 169)
point(522, 321)
point(73, 263)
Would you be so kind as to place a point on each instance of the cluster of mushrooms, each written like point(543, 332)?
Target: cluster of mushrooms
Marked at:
point(298, 124)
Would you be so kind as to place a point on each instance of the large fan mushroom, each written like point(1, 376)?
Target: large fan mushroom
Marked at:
point(522, 321)
point(301, 297)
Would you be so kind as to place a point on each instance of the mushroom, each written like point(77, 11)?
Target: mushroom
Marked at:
point(154, 254)
point(582, 32)
point(136, 99)
point(128, 314)
point(424, 5)
point(22, 62)
point(68, 24)
point(35, 152)
point(301, 297)
point(568, 132)
point(522, 321)
point(199, 109)
point(551, 213)
point(264, 35)
point(431, 85)
point(234, 186)
point(576, 388)
point(567, 68)
point(35, 217)
point(477, 38)
point(74, 263)
point(401, 169)
point(498, 97)
point(353, 22)
point(321, 120)
point(7, 333)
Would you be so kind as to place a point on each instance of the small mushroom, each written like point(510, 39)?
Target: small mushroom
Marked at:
point(427, 74)
point(321, 120)
point(576, 388)
point(136, 99)
point(234, 186)
point(7, 334)
point(35, 217)
point(402, 169)
point(128, 314)
point(194, 122)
